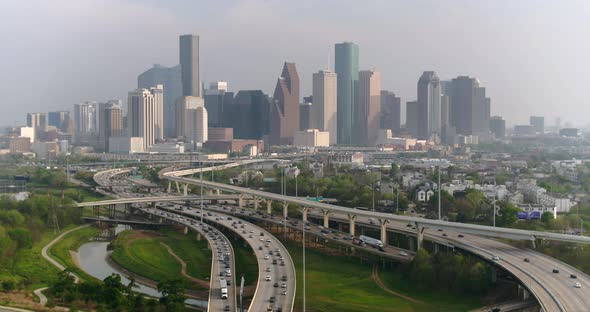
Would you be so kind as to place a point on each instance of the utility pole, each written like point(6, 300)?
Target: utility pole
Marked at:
point(201, 177)
point(397, 199)
point(242, 294)
point(439, 214)
point(303, 266)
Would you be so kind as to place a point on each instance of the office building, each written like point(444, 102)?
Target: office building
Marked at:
point(19, 145)
point(347, 71)
point(524, 130)
point(169, 78)
point(368, 113)
point(110, 122)
point(218, 86)
point(85, 123)
point(144, 115)
point(220, 134)
point(305, 114)
point(189, 65)
point(59, 120)
point(284, 112)
point(498, 127)
point(390, 112)
point(412, 118)
point(429, 106)
point(249, 115)
point(217, 102)
point(538, 123)
point(469, 106)
point(324, 115)
point(37, 121)
point(311, 138)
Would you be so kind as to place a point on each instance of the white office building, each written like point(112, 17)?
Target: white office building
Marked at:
point(145, 115)
point(324, 109)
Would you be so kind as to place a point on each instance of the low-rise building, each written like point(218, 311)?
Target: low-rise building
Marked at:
point(312, 138)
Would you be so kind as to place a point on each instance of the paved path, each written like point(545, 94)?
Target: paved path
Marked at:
point(39, 293)
point(183, 268)
point(48, 246)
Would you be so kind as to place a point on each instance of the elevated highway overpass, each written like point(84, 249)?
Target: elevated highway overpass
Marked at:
point(553, 292)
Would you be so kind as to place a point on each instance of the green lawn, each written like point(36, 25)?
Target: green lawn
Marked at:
point(196, 254)
point(146, 256)
point(341, 284)
point(246, 263)
point(60, 251)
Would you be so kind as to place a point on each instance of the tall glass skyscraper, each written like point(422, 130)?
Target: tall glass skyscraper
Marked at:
point(347, 70)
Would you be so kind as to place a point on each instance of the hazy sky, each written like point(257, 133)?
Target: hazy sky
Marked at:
point(531, 55)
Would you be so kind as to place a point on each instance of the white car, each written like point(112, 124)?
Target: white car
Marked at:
point(403, 253)
point(265, 257)
point(578, 285)
point(495, 258)
point(268, 278)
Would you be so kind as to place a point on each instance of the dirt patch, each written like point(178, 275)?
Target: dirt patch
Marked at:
point(200, 282)
point(24, 300)
point(74, 256)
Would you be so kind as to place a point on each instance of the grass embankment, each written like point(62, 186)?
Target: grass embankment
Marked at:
point(30, 267)
point(246, 263)
point(336, 283)
point(143, 253)
point(60, 251)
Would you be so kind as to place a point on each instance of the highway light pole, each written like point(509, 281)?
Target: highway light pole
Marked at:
point(201, 177)
point(303, 266)
point(439, 213)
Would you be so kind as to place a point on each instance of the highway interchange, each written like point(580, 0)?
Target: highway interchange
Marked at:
point(554, 291)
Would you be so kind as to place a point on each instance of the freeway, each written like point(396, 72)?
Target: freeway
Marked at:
point(222, 264)
point(155, 199)
point(276, 284)
point(553, 293)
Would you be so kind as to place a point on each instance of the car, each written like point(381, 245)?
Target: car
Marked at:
point(267, 245)
point(495, 258)
point(259, 247)
point(556, 271)
point(284, 278)
point(578, 285)
point(282, 263)
point(274, 261)
point(268, 240)
point(269, 309)
point(527, 260)
point(284, 285)
point(445, 234)
point(268, 278)
point(227, 308)
point(403, 253)
point(262, 239)
point(272, 299)
point(284, 292)
point(440, 230)
point(275, 285)
point(461, 235)
point(573, 276)
point(265, 257)
point(249, 236)
point(267, 269)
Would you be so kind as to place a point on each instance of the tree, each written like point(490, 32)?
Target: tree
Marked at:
point(394, 170)
point(112, 290)
point(22, 236)
point(172, 294)
point(508, 215)
point(465, 210)
point(546, 217)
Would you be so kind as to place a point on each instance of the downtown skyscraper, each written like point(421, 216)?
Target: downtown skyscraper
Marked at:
point(429, 105)
point(324, 115)
point(347, 71)
point(169, 78)
point(284, 111)
point(144, 115)
point(368, 115)
point(189, 65)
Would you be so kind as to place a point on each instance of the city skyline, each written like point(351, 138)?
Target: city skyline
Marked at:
point(399, 68)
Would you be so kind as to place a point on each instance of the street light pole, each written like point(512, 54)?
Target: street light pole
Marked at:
point(303, 266)
point(494, 214)
point(201, 177)
point(439, 213)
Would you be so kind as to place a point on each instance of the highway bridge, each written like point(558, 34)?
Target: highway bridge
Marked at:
point(553, 292)
point(157, 199)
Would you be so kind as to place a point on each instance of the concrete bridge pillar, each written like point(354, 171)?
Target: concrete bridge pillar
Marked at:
point(523, 292)
point(185, 230)
point(534, 242)
point(326, 214)
point(419, 235)
point(256, 200)
point(177, 187)
point(383, 224)
point(352, 223)
point(185, 189)
point(268, 206)
point(169, 187)
point(241, 200)
point(217, 192)
point(285, 210)
point(304, 212)
point(411, 243)
point(494, 274)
